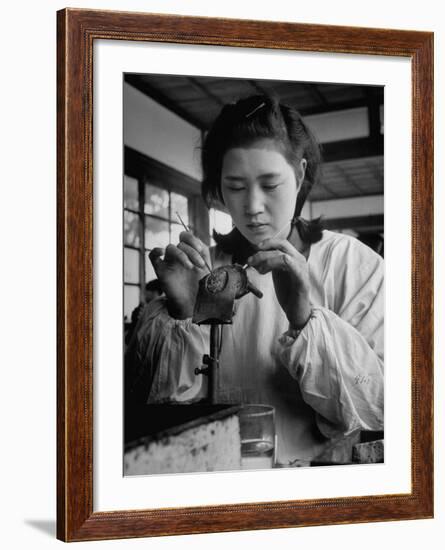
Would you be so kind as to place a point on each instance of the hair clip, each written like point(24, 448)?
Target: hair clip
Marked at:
point(255, 110)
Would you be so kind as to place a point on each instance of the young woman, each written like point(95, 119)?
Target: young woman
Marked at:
point(313, 345)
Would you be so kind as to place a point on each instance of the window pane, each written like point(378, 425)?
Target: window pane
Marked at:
point(179, 204)
point(176, 229)
point(131, 193)
point(131, 229)
point(156, 233)
point(131, 265)
point(156, 201)
point(149, 271)
point(220, 221)
point(131, 300)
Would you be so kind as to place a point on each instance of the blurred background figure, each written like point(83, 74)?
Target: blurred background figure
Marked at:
point(135, 387)
point(374, 241)
point(152, 290)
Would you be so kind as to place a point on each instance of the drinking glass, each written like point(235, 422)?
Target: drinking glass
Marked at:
point(257, 431)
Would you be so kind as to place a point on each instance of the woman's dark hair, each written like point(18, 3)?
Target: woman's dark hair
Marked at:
point(241, 124)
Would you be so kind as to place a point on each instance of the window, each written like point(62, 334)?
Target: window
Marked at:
point(153, 196)
point(220, 221)
point(150, 221)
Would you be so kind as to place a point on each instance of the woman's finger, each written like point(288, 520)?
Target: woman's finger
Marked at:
point(191, 240)
point(174, 255)
point(280, 244)
point(276, 260)
point(193, 255)
point(156, 258)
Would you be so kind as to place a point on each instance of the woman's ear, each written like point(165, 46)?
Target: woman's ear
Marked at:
point(300, 172)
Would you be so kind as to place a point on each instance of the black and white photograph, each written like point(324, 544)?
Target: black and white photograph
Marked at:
point(253, 230)
point(213, 196)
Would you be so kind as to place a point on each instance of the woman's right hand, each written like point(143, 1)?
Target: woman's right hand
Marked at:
point(179, 272)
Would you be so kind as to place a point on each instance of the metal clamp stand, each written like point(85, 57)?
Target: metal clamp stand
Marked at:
point(212, 362)
point(215, 307)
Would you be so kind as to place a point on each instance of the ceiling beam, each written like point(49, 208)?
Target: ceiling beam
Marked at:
point(314, 91)
point(356, 222)
point(352, 149)
point(204, 90)
point(346, 177)
point(373, 113)
point(140, 84)
point(257, 87)
point(341, 106)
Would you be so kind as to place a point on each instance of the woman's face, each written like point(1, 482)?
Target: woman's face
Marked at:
point(260, 189)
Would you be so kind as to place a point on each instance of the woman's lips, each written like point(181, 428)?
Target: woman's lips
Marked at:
point(257, 227)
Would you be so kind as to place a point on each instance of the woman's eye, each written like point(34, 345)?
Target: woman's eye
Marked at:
point(235, 188)
point(270, 187)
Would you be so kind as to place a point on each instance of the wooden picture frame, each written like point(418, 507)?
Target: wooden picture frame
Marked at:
point(77, 31)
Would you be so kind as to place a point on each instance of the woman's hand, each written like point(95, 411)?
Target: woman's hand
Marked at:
point(180, 271)
point(290, 277)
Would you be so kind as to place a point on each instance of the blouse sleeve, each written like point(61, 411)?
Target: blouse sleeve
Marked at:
point(338, 357)
point(170, 349)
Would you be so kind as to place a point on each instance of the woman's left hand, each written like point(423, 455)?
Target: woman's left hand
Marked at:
point(290, 277)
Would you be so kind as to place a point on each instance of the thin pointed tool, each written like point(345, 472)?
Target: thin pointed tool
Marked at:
point(188, 231)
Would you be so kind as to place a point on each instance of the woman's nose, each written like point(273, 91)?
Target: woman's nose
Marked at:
point(254, 203)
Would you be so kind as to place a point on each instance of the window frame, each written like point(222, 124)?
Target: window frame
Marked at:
point(148, 170)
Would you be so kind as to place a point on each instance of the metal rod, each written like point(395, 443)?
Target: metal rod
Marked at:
point(213, 366)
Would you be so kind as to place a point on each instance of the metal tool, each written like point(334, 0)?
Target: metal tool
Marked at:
point(188, 231)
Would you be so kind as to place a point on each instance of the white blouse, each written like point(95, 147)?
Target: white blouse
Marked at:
point(323, 382)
